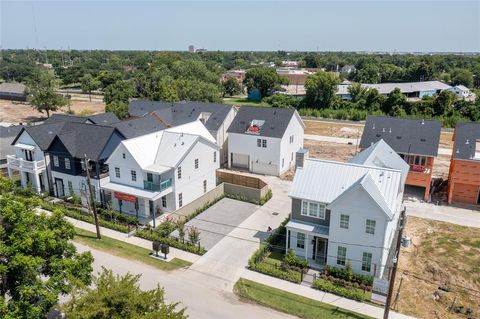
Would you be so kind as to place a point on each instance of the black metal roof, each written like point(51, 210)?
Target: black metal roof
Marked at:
point(466, 137)
point(404, 135)
point(275, 125)
point(179, 113)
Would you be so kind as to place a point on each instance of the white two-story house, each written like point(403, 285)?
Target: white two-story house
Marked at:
point(347, 213)
point(162, 171)
point(264, 140)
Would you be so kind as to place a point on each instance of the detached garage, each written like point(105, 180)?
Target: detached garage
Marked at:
point(240, 160)
point(264, 168)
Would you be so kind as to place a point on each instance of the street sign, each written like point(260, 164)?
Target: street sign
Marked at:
point(379, 291)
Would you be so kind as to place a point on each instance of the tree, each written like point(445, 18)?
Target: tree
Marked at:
point(193, 235)
point(120, 91)
point(231, 87)
point(395, 100)
point(120, 109)
point(321, 89)
point(38, 262)
point(108, 77)
point(116, 297)
point(462, 76)
point(266, 80)
point(443, 102)
point(42, 88)
point(370, 73)
point(88, 84)
point(282, 101)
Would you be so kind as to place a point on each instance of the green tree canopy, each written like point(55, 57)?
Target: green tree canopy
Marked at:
point(462, 76)
point(120, 91)
point(119, 108)
point(37, 260)
point(394, 101)
point(266, 80)
point(443, 102)
point(116, 297)
point(231, 87)
point(321, 89)
point(88, 84)
point(42, 88)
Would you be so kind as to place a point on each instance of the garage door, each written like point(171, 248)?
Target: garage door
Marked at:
point(464, 193)
point(264, 168)
point(240, 160)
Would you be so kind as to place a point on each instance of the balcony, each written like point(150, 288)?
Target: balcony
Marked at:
point(154, 187)
point(21, 164)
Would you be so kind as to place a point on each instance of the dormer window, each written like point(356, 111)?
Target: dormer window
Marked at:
point(255, 127)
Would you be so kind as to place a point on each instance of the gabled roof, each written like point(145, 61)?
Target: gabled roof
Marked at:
point(42, 134)
point(275, 120)
point(100, 119)
point(179, 113)
point(139, 126)
point(403, 135)
point(7, 136)
point(381, 155)
point(16, 88)
point(466, 136)
point(162, 150)
point(325, 181)
point(84, 139)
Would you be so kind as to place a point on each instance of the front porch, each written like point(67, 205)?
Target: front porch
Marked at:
point(31, 172)
point(308, 241)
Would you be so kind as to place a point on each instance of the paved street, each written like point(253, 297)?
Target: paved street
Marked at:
point(219, 220)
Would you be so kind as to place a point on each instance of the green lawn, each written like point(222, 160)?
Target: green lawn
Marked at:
point(125, 250)
point(243, 101)
point(290, 303)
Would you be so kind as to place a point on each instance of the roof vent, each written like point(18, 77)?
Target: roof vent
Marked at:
point(423, 140)
point(373, 126)
point(383, 130)
point(390, 130)
point(378, 135)
point(467, 142)
point(458, 151)
point(423, 121)
point(399, 137)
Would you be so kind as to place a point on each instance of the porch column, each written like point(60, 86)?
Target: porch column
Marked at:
point(286, 240)
point(10, 174)
point(306, 246)
point(23, 179)
point(37, 182)
point(146, 204)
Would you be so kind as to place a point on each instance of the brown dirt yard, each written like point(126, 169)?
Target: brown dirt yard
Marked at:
point(16, 112)
point(441, 254)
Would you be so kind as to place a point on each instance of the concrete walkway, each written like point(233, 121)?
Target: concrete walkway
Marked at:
point(334, 300)
point(107, 232)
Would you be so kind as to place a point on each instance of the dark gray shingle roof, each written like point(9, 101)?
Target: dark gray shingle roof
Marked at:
point(276, 120)
point(414, 136)
point(101, 119)
point(7, 136)
point(182, 112)
point(139, 126)
point(43, 134)
point(464, 132)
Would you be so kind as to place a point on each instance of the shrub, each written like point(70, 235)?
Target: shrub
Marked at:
point(329, 286)
point(6, 185)
point(268, 269)
point(292, 259)
point(267, 197)
point(196, 249)
point(347, 274)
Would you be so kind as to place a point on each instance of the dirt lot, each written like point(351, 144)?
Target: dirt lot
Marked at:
point(441, 255)
point(15, 112)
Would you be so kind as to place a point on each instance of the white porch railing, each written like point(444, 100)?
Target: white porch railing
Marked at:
point(20, 163)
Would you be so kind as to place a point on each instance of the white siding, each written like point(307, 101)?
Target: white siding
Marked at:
point(79, 184)
point(25, 138)
point(294, 128)
point(126, 165)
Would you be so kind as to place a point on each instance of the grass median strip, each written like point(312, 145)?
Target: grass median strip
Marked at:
point(125, 250)
point(290, 303)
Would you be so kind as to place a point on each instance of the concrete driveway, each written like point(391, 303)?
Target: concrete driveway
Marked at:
point(219, 220)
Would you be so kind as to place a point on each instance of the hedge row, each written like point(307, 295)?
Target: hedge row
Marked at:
point(268, 269)
point(347, 274)
point(262, 200)
point(196, 249)
point(351, 293)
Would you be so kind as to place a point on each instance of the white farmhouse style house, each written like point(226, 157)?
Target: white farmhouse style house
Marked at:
point(264, 140)
point(347, 212)
point(162, 171)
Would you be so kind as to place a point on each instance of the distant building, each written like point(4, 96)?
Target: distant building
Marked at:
point(347, 69)
point(13, 92)
point(290, 63)
point(460, 91)
point(294, 76)
point(191, 48)
point(238, 75)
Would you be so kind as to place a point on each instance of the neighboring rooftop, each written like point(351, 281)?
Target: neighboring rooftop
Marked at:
point(467, 141)
point(403, 135)
point(140, 126)
point(7, 136)
point(100, 119)
point(179, 113)
point(15, 88)
point(337, 178)
point(275, 120)
point(409, 87)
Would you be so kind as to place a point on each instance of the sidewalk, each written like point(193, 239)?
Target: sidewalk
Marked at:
point(334, 300)
point(174, 253)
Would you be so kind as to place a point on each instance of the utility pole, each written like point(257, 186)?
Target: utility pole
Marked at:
point(401, 225)
point(92, 200)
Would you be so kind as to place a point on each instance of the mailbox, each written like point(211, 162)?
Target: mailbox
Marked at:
point(156, 247)
point(165, 249)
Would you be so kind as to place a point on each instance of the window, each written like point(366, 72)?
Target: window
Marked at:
point(134, 175)
point(283, 162)
point(67, 163)
point(344, 220)
point(205, 186)
point(196, 163)
point(341, 255)
point(117, 172)
point(301, 240)
point(214, 157)
point(367, 262)
point(259, 142)
point(311, 209)
point(55, 161)
point(180, 200)
point(164, 201)
point(179, 172)
point(264, 143)
point(291, 139)
point(370, 226)
point(123, 155)
point(70, 187)
point(291, 157)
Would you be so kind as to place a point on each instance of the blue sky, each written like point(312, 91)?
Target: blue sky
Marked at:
point(243, 25)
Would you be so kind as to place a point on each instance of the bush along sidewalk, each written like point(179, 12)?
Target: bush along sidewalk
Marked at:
point(344, 282)
point(261, 202)
point(291, 268)
point(149, 234)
